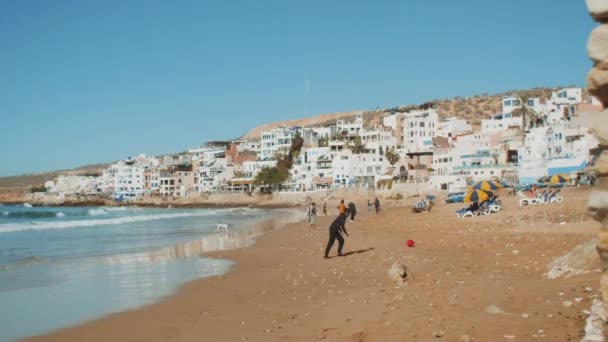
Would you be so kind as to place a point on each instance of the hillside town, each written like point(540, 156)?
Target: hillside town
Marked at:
point(523, 142)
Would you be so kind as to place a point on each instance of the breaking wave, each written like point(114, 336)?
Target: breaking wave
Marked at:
point(96, 212)
point(17, 227)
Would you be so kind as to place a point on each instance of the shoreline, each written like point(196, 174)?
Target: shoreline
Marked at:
point(281, 289)
point(179, 205)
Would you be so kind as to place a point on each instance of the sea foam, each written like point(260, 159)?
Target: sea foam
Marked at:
point(16, 227)
point(96, 212)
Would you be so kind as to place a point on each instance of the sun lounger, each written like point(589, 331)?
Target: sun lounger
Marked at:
point(462, 213)
point(490, 207)
point(554, 198)
point(532, 200)
point(466, 213)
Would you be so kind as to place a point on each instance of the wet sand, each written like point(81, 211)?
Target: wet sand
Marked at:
point(480, 277)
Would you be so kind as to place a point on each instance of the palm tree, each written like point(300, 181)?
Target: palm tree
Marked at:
point(528, 115)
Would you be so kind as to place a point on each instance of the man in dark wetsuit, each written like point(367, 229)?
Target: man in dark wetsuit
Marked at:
point(339, 225)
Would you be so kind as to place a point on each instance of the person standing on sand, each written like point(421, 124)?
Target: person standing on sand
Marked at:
point(339, 225)
point(353, 211)
point(312, 215)
point(377, 205)
point(369, 205)
point(341, 208)
point(324, 208)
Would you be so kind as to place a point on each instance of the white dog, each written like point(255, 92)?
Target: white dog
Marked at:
point(223, 226)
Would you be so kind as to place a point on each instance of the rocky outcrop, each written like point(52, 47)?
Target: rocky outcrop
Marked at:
point(598, 9)
point(597, 81)
point(398, 272)
point(596, 328)
point(597, 47)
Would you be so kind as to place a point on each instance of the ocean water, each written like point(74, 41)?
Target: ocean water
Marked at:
point(62, 266)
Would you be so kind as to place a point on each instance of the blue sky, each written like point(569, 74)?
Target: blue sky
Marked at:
point(95, 81)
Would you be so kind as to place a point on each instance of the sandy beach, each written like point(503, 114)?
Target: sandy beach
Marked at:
point(474, 279)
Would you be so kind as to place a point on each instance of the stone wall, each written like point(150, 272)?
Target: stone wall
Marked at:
point(596, 328)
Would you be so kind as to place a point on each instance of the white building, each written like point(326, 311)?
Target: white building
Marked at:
point(213, 174)
point(249, 145)
point(500, 123)
point(128, 179)
point(325, 132)
point(567, 96)
point(510, 103)
point(207, 153)
point(276, 140)
point(251, 168)
point(307, 173)
point(453, 126)
point(455, 168)
point(561, 147)
point(419, 128)
point(378, 141)
point(346, 128)
point(350, 170)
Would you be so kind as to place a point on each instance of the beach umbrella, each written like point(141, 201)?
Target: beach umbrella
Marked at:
point(486, 185)
point(555, 179)
point(477, 196)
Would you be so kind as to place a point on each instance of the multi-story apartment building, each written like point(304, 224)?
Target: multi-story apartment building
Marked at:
point(419, 128)
point(128, 179)
point(378, 141)
point(176, 181)
point(453, 126)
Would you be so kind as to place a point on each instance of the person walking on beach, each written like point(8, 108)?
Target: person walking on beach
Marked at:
point(353, 211)
point(341, 207)
point(377, 205)
point(324, 208)
point(312, 215)
point(338, 226)
point(369, 205)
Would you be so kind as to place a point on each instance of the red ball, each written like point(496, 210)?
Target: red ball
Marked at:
point(410, 243)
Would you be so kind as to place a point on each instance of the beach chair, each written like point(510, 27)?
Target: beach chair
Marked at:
point(555, 198)
point(462, 213)
point(492, 206)
point(531, 200)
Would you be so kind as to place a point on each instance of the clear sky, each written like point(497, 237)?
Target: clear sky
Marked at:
point(95, 81)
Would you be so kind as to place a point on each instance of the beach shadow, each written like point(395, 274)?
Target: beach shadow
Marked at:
point(358, 251)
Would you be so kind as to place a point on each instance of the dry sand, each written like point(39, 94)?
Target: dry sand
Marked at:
point(477, 278)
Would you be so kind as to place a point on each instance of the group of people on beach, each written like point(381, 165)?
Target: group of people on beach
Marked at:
point(338, 226)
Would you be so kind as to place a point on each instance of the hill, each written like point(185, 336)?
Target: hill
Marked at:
point(473, 109)
point(38, 179)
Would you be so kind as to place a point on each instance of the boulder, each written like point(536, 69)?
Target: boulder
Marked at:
point(598, 205)
point(598, 9)
point(398, 272)
point(596, 121)
point(597, 81)
point(601, 164)
point(597, 46)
